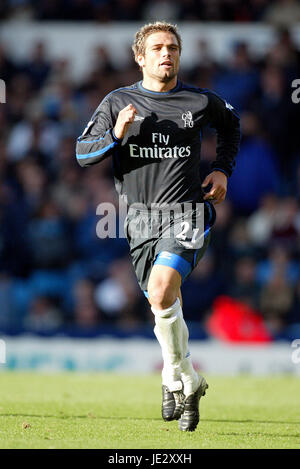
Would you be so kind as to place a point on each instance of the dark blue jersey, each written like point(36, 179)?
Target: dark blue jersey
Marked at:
point(158, 159)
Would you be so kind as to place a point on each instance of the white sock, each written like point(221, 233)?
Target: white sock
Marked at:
point(172, 334)
point(168, 330)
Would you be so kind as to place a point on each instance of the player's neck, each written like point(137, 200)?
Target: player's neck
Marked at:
point(155, 85)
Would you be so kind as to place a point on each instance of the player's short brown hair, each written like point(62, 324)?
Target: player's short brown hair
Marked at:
point(141, 35)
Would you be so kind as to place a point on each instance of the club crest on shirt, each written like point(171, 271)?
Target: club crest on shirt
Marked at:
point(187, 118)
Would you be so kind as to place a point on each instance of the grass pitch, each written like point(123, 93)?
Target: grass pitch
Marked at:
point(72, 410)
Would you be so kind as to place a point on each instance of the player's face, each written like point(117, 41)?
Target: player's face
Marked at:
point(162, 57)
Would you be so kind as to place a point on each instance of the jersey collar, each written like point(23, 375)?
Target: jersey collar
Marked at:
point(159, 93)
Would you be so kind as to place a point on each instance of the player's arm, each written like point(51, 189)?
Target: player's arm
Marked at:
point(225, 120)
point(97, 141)
point(100, 136)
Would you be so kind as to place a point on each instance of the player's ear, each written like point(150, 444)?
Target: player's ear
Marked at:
point(140, 60)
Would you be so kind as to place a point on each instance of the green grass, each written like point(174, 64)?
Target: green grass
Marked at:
point(73, 410)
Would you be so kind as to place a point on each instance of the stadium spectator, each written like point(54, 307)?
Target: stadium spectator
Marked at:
point(43, 315)
point(38, 67)
point(243, 285)
point(285, 230)
point(161, 9)
point(118, 296)
point(220, 240)
point(238, 241)
point(293, 316)
point(282, 12)
point(276, 301)
point(7, 67)
point(86, 315)
point(278, 115)
point(204, 68)
point(201, 288)
point(128, 10)
point(258, 172)
point(32, 181)
point(261, 222)
point(34, 134)
point(278, 263)
point(8, 315)
point(239, 80)
point(48, 237)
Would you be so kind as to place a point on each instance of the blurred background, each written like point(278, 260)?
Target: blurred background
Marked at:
point(58, 280)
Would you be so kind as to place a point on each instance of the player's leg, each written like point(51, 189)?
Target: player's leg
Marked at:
point(163, 290)
point(188, 375)
point(173, 337)
point(190, 416)
point(194, 386)
point(163, 287)
point(171, 329)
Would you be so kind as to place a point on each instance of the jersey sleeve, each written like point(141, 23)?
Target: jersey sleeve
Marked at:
point(223, 117)
point(98, 140)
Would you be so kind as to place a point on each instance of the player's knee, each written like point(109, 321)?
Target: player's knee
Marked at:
point(162, 296)
point(170, 314)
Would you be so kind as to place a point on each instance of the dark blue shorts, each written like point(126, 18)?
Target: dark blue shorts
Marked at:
point(148, 251)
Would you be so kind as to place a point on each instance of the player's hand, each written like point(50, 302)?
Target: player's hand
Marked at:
point(217, 193)
point(125, 118)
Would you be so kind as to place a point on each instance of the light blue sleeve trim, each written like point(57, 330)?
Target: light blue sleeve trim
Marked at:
point(92, 141)
point(96, 153)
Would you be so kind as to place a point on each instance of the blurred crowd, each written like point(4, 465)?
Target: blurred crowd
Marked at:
point(54, 270)
point(279, 12)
